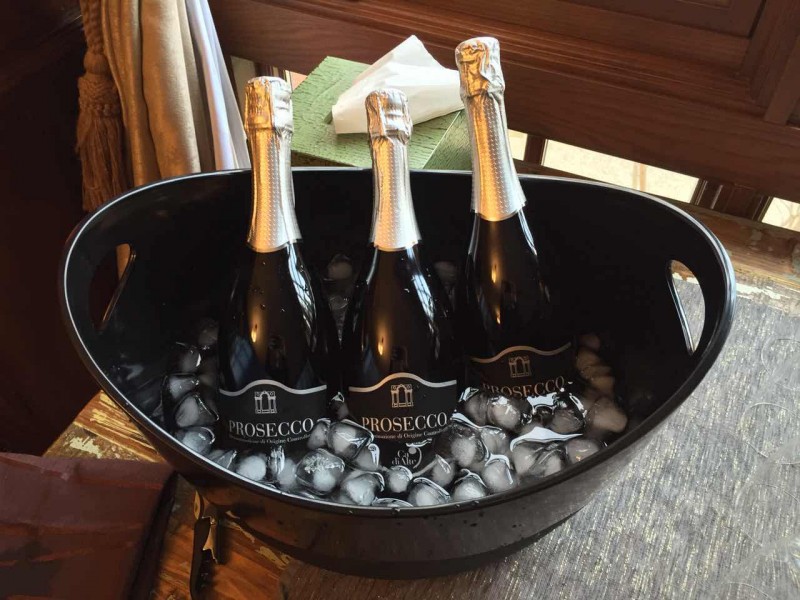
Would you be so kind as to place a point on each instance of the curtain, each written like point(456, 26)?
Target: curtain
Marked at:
point(175, 98)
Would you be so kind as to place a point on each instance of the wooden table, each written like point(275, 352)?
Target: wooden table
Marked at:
point(699, 510)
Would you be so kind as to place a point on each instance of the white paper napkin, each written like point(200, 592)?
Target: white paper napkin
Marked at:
point(432, 90)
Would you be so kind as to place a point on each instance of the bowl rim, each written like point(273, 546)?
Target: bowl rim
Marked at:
point(624, 442)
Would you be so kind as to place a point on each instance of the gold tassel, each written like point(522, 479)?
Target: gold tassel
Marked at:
point(100, 131)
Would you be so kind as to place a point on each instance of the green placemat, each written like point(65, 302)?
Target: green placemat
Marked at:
point(441, 143)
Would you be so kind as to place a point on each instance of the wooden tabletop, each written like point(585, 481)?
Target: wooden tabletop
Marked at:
point(252, 570)
point(695, 515)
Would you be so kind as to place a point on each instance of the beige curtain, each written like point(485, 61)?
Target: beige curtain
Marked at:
point(152, 59)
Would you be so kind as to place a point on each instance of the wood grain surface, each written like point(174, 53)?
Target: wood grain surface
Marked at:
point(251, 569)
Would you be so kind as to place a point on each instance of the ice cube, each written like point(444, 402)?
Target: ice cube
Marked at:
point(508, 413)
point(252, 467)
point(469, 487)
point(222, 457)
point(286, 478)
point(158, 413)
point(590, 341)
point(587, 358)
point(547, 402)
point(565, 421)
point(536, 422)
point(307, 494)
point(339, 407)
point(207, 334)
point(275, 457)
point(592, 371)
point(340, 268)
point(391, 503)
point(177, 385)
point(398, 478)
point(497, 440)
point(588, 396)
point(192, 411)
point(425, 492)
point(606, 416)
point(187, 358)
point(498, 474)
point(369, 459)
point(447, 272)
point(550, 462)
point(338, 305)
point(603, 384)
point(442, 472)
point(320, 471)
point(580, 448)
point(524, 456)
point(534, 461)
point(346, 439)
point(208, 373)
point(476, 403)
point(319, 435)
point(362, 489)
point(198, 439)
point(542, 435)
point(461, 442)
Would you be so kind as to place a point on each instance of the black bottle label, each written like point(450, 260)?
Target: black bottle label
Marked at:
point(404, 407)
point(267, 412)
point(522, 371)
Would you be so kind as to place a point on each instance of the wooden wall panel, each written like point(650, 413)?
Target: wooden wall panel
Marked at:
point(573, 92)
point(771, 47)
point(618, 29)
point(44, 384)
point(731, 16)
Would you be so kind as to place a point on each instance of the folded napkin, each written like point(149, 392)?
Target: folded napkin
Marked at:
point(81, 528)
point(431, 89)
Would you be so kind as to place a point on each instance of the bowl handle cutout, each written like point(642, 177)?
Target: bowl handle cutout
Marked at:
point(108, 283)
point(687, 293)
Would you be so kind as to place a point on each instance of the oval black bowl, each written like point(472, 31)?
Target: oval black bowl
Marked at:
point(609, 251)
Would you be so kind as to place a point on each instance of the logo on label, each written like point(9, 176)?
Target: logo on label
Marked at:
point(519, 366)
point(271, 403)
point(410, 457)
point(402, 395)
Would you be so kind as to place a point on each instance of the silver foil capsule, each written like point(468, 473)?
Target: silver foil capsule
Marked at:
point(496, 191)
point(394, 225)
point(268, 122)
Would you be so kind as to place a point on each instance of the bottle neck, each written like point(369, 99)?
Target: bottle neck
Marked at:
point(394, 225)
point(273, 223)
point(496, 191)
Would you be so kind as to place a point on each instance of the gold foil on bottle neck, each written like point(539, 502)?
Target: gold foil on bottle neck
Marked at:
point(478, 61)
point(268, 104)
point(394, 225)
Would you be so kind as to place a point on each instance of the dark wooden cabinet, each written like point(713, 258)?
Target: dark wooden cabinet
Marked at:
point(705, 87)
point(43, 384)
point(728, 16)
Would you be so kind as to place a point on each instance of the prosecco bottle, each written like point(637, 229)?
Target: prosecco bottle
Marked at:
point(400, 357)
point(277, 346)
point(514, 341)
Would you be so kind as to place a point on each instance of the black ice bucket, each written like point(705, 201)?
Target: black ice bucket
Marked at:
point(610, 252)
